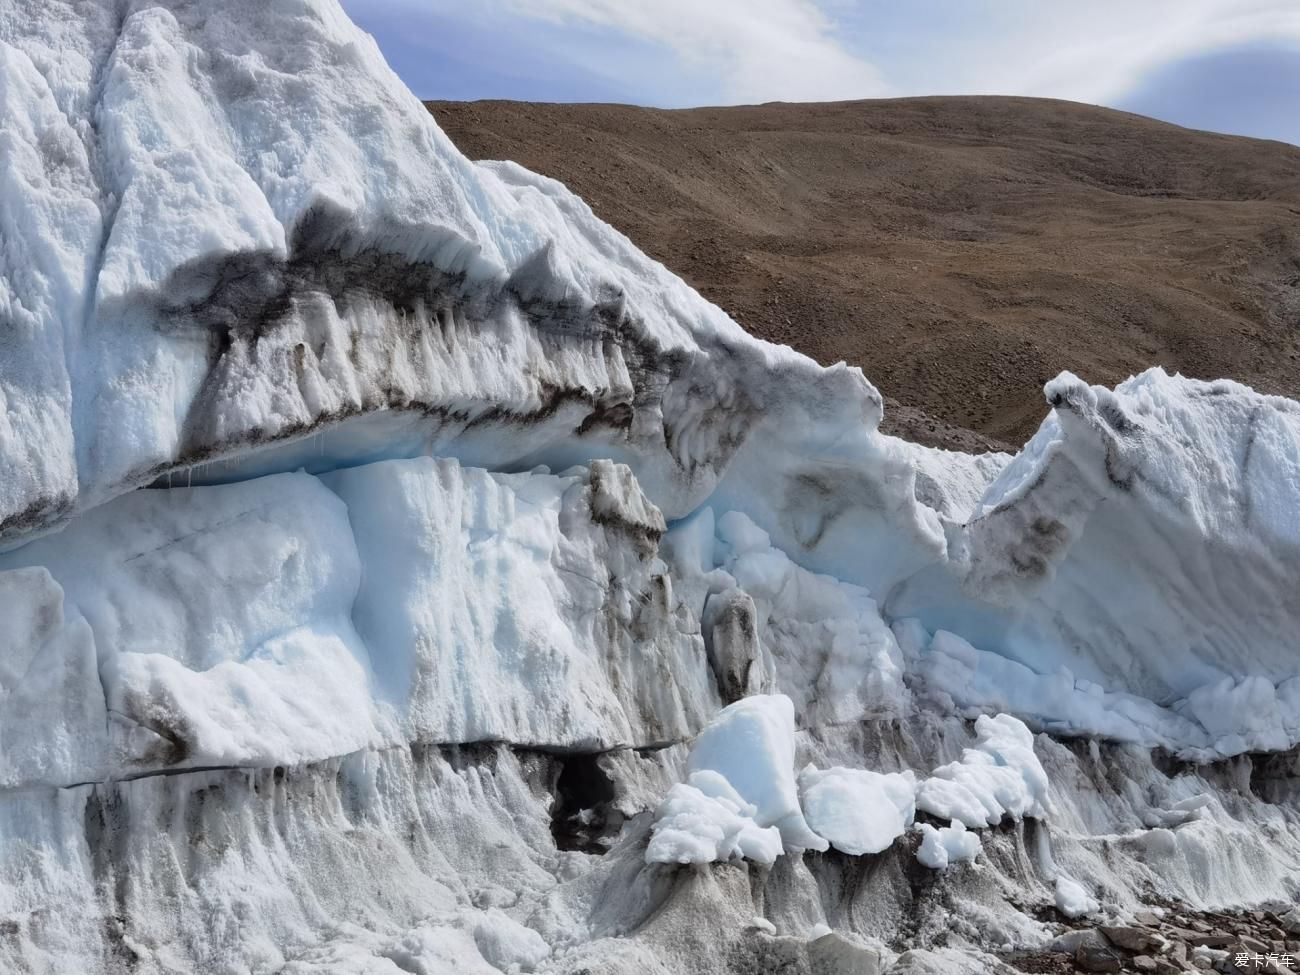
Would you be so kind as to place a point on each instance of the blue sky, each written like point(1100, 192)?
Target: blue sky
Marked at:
point(1225, 65)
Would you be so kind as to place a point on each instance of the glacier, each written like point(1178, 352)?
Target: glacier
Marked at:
point(401, 572)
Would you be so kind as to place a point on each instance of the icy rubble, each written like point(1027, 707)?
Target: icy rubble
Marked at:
point(741, 785)
point(705, 820)
point(858, 811)
point(740, 789)
point(999, 777)
point(1072, 900)
point(947, 845)
point(491, 526)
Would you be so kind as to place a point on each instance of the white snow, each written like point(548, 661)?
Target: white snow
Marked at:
point(212, 265)
point(947, 845)
point(738, 782)
point(260, 178)
point(1001, 776)
point(703, 820)
point(739, 798)
point(950, 482)
point(858, 811)
point(750, 745)
point(976, 681)
point(483, 595)
point(52, 710)
point(1072, 899)
point(1247, 714)
point(220, 623)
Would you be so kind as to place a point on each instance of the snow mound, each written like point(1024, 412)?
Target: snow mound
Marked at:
point(1071, 898)
point(856, 810)
point(1001, 776)
point(947, 846)
point(750, 745)
point(738, 782)
point(704, 820)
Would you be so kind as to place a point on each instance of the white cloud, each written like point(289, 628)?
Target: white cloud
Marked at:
point(1092, 52)
point(800, 50)
point(693, 52)
point(755, 50)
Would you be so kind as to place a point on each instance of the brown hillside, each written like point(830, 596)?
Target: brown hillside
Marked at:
point(960, 250)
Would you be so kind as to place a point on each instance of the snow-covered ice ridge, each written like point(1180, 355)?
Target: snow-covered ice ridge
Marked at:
point(402, 572)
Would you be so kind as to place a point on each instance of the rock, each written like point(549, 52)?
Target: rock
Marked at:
point(1069, 942)
point(1208, 958)
point(833, 955)
point(1147, 918)
point(1255, 946)
point(1208, 938)
point(1216, 940)
point(741, 665)
point(1291, 921)
point(1265, 967)
point(1130, 939)
point(1145, 963)
point(1093, 958)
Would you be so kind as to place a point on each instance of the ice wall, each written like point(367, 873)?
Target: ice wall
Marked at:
point(1141, 549)
point(382, 530)
point(236, 246)
point(232, 227)
point(290, 619)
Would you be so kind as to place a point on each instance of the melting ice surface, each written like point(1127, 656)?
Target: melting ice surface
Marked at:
point(402, 572)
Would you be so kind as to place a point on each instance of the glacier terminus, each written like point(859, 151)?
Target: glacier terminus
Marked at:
point(401, 572)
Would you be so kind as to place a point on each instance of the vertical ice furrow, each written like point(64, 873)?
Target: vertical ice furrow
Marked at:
point(48, 224)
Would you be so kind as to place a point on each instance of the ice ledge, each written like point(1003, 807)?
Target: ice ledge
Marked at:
point(291, 619)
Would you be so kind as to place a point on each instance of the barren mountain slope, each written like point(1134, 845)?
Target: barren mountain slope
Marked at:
point(961, 250)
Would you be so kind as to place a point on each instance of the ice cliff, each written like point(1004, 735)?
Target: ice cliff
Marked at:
point(402, 572)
